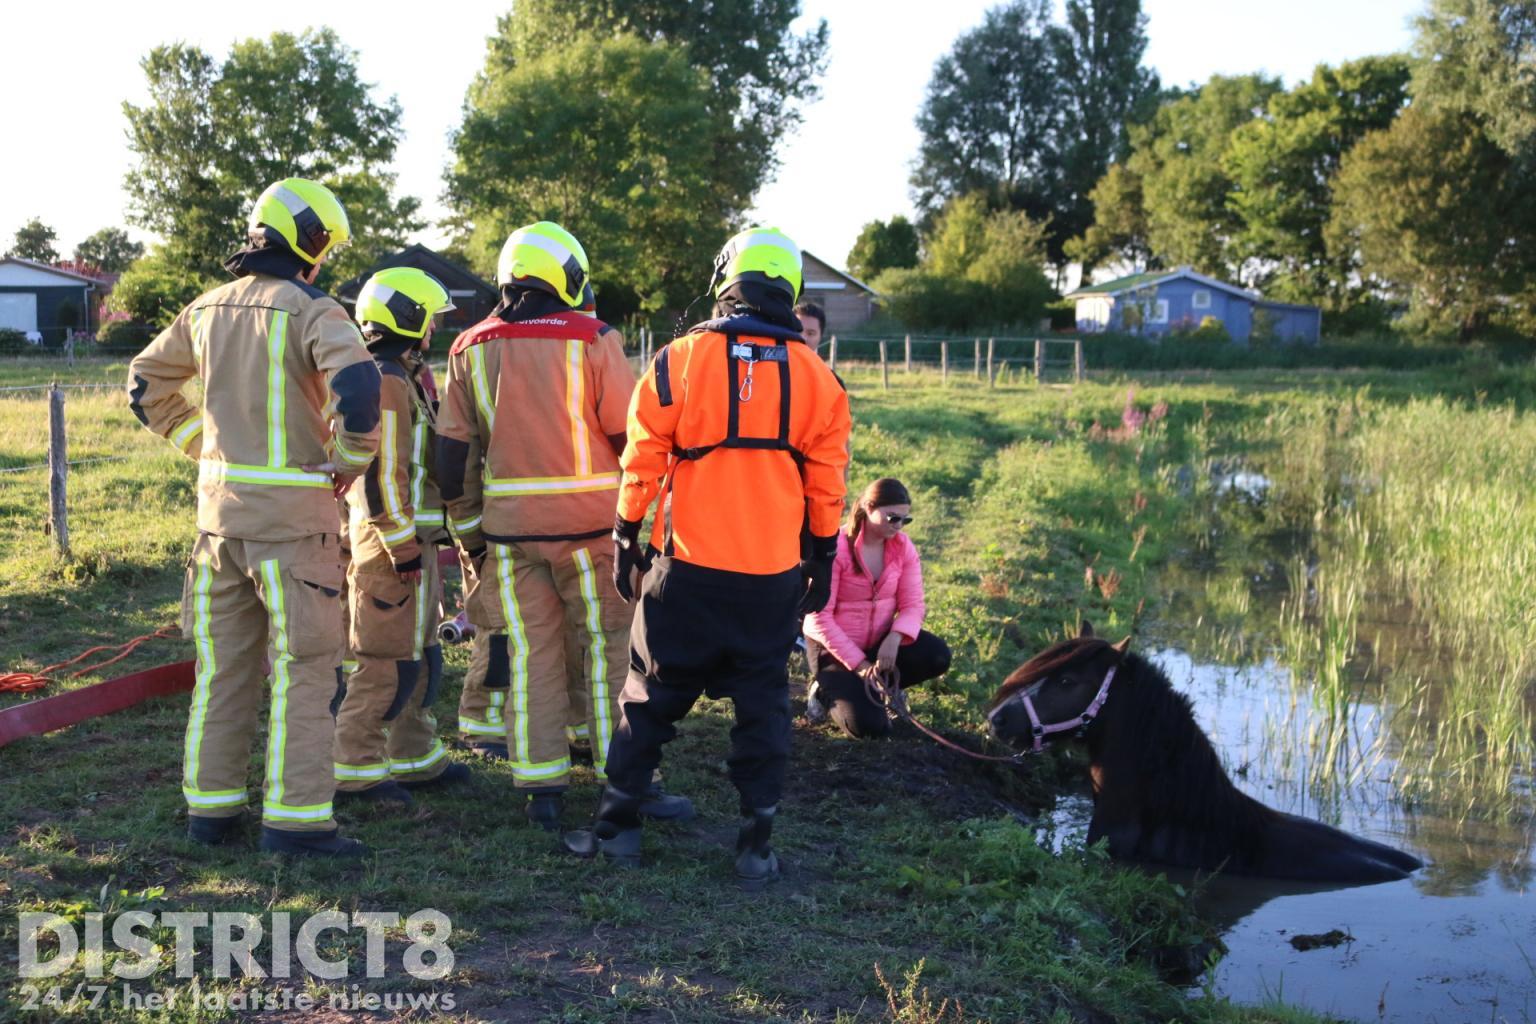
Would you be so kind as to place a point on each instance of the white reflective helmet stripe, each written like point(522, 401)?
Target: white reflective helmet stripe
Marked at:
point(374, 290)
point(291, 200)
point(523, 236)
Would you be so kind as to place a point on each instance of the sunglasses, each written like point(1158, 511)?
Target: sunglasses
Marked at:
point(894, 520)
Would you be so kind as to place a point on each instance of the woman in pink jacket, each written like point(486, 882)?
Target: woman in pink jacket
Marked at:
point(872, 625)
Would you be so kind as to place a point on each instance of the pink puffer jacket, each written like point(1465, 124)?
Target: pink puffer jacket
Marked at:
point(860, 614)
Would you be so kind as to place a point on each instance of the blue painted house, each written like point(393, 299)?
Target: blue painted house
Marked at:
point(1171, 300)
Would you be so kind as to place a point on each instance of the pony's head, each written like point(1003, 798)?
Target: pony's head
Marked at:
point(1052, 692)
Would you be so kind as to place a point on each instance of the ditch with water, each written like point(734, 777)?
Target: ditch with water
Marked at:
point(1330, 695)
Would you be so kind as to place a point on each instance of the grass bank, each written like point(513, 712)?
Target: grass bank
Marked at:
point(1035, 506)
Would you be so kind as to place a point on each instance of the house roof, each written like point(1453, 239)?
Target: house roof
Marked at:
point(48, 268)
point(1150, 279)
point(807, 255)
point(439, 266)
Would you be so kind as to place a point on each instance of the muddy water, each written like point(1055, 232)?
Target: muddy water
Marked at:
point(1454, 943)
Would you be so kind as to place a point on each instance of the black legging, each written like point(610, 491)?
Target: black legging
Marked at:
point(843, 693)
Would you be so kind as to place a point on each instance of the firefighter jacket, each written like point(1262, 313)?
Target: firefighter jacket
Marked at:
point(277, 359)
point(746, 429)
point(396, 508)
point(527, 411)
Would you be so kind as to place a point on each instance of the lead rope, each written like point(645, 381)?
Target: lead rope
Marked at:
point(894, 701)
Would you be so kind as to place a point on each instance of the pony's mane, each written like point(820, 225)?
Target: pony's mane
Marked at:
point(1048, 662)
point(1155, 735)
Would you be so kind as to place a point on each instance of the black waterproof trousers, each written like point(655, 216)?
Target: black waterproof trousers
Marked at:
point(708, 631)
point(847, 699)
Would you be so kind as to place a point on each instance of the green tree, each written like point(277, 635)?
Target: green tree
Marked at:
point(156, 287)
point(601, 135)
point(1478, 57)
point(983, 268)
point(109, 249)
point(1103, 89)
point(991, 121)
point(1119, 228)
point(882, 245)
point(212, 136)
point(1282, 167)
point(1438, 213)
point(761, 72)
point(1180, 158)
point(34, 241)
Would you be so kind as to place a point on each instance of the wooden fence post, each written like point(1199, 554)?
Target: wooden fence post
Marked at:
point(833, 360)
point(991, 346)
point(909, 353)
point(885, 370)
point(1078, 368)
point(58, 472)
point(1039, 361)
point(943, 362)
point(976, 358)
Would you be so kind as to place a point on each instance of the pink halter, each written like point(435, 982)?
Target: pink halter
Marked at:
point(1040, 730)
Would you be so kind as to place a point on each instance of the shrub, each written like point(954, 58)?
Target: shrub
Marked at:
point(125, 333)
point(154, 289)
point(13, 341)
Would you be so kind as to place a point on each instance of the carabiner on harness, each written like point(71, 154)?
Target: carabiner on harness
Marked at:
point(747, 354)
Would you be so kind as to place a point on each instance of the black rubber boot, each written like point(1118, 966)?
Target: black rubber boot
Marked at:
point(310, 844)
point(213, 831)
point(756, 863)
point(381, 795)
point(489, 751)
point(615, 833)
point(544, 808)
point(454, 773)
point(659, 805)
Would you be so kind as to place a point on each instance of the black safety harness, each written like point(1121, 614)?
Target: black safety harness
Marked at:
point(738, 354)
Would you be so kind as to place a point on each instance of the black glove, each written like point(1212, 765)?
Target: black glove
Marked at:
point(627, 556)
point(817, 572)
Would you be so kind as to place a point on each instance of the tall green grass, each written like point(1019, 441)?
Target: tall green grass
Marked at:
point(1428, 503)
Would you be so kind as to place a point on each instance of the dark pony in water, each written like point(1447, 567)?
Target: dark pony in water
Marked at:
point(1160, 793)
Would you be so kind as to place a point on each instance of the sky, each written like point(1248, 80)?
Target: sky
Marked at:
point(66, 152)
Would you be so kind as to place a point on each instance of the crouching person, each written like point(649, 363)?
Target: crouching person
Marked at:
point(386, 735)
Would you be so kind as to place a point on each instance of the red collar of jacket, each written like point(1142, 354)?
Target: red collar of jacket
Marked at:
point(564, 326)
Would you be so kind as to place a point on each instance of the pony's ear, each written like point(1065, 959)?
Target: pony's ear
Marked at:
point(1123, 645)
point(1086, 630)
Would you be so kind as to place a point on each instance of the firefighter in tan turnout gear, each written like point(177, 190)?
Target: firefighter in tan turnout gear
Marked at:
point(386, 735)
point(274, 354)
point(539, 392)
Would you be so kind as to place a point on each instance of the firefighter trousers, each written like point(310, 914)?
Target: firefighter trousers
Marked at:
point(550, 605)
point(480, 709)
point(385, 727)
point(248, 604)
point(707, 631)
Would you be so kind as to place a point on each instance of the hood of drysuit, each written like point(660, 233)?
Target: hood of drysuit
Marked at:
point(753, 308)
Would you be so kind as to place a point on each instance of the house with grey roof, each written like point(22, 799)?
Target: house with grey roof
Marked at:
point(1160, 302)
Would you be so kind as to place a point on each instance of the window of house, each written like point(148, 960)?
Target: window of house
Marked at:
point(1201, 300)
point(1158, 312)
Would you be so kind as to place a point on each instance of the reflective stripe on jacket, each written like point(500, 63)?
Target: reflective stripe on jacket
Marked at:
point(536, 400)
point(740, 509)
point(287, 382)
point(861, 612)
point(396, 503)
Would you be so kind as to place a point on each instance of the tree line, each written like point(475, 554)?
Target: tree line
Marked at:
point(1390, 190)
point(1395, 187)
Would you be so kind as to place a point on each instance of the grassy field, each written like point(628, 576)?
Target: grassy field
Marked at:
point(913, 892)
